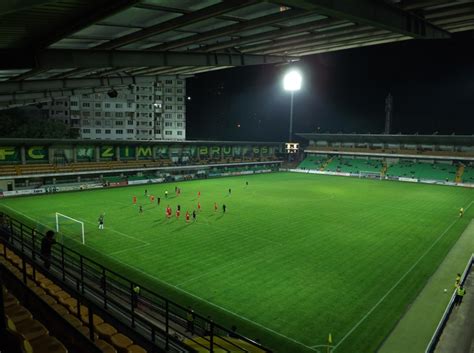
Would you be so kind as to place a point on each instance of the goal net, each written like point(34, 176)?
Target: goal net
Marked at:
point(69, 228)
point(370, 174)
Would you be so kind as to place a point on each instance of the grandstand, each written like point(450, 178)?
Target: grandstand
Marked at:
point(445, 159)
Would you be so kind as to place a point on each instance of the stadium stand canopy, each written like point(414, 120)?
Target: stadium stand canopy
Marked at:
point(453, 140)
point(80, 47)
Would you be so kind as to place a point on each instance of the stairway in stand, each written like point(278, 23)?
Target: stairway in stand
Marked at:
point(459, 173)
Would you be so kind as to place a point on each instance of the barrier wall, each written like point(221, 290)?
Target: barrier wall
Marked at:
point(410, 180)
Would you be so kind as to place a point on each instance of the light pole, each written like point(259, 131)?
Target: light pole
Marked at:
point(292, 82)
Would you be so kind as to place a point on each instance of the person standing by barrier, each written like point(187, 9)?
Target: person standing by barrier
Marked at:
point(46, 244)
point(135, 294)
point(460, 292)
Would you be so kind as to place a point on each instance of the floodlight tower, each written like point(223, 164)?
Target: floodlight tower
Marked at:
point(292, 82)
point(388, 113)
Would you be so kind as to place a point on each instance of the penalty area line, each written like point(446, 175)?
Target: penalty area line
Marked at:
point(398, 282)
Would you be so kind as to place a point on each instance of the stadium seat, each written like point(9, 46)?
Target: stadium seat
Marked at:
point(105, 347)
point(45, 344)
point(74, 321)
point(105, 331)
point(121, 342)
point(96, 319)
point(134, 348)
point(18, 313)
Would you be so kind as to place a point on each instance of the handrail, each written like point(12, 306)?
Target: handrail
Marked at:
point(113, 294)
point(447, 312)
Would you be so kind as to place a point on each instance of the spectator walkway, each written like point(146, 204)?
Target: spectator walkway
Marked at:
point(458, 335)
point(415, 329)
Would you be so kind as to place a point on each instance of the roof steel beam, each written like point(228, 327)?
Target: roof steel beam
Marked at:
point(373, 13)
point(173, 24)
point(355, 36)
point(233, 29)
point(11, 6)
point(72, 83)
point(67, 58)
point(306, 38)
point(305, 27)
point(85, 20)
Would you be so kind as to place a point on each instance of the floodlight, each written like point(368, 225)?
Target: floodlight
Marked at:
point(292, 81)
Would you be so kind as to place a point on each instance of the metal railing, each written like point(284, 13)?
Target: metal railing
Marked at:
point(444, 319)
point(148, 317)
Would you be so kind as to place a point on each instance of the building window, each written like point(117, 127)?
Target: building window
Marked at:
point(179, 132)
point(86, 113)
point(168, 90)
point(129, 122)
point(107, 105)
point(85, 122)
point(179, 90)
point(180, 116)
point(168, 82)
point(119, 132)
point(167, 123)
point(98, 131)
point(107, 132)
point(86, 131)
point(179, 124)
point(119, 115)
point(167, 132)
point(119, 105)
point(98, 123)
point(167, 116)
point(97, 114)
point(119, 123)
point(107, 114)
point(98, 105)
point(74, 104)
point(130, 131)
point(169, 99)
point(179, 82)
point(168, 107)
point(179, 99)
point(86, 105)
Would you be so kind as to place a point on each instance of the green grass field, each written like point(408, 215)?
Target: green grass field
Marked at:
point(295, 257)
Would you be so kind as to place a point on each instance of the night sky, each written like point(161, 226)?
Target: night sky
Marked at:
point(432, 83)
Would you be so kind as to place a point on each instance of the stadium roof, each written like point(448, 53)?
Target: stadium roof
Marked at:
point(70, 39)
point(458, 140)
point(62, 142)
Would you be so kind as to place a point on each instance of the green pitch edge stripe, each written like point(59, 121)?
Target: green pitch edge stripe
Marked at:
point(414, 331)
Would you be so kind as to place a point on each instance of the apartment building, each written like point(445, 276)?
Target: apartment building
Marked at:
point(153, 111)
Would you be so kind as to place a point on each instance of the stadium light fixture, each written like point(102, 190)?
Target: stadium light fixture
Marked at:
point(292, 82)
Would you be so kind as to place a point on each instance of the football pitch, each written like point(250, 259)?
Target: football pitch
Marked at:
point(294, 258)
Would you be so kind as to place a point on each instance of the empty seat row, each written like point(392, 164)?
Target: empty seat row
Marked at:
point(109, 340)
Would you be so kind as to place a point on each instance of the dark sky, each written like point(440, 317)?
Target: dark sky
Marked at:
point(432, 83)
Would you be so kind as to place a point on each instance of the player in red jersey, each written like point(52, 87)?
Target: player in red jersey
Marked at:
point(215, 206)
point(152, 198)
point(168, 211)
point(199, 206)
point(134, 200)
point(199, 194)
point(187, 216)
point(178, 212)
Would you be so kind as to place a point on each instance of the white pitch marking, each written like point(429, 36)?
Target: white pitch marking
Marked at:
point(398, 282)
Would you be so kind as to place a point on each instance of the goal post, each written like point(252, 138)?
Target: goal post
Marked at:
point(71, 227)
point(370, 174)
